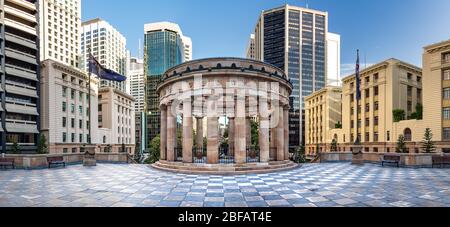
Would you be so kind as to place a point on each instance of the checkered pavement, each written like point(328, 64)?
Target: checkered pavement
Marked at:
point(313, 185)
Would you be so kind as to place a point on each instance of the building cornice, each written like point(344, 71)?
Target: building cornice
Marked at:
point(115, 90)
point(438, 47)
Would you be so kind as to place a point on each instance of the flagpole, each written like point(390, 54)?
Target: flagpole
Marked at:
point(358, 101)
point(89, 102)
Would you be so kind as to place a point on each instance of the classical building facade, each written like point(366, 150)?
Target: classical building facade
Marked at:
point(108, 46)
point(60, 24)
point(165, 46)
point(65, 120)
point(19, 71)
point(323, 113)
point(116, 120)
point(295, 40)
point(235, 89)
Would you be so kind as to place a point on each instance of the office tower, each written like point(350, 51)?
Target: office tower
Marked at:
point(108, 46)
point(187, 48)
point(19, 70)
point(334, 59)
point(250, 51)
point(164, 48)
point(295, 40)
point(136, 83)
point(60, 25)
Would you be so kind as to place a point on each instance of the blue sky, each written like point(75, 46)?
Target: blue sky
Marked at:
point(381, 29)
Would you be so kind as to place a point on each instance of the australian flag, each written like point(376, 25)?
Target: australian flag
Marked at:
point(358, 79)
point(103, 73)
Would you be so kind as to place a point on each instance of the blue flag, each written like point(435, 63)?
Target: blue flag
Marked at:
point(358, 79)
point(103, 73)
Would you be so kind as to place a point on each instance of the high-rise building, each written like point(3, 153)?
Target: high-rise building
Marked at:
point(250, 52)
point(187, 48)
point(60, 25)
point(164, 48)
point(295, 40)
point(334, 59)
point(19, 70)
point(136, 83)
point(108, 46)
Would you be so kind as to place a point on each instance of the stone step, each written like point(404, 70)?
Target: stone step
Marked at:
point(224, 169)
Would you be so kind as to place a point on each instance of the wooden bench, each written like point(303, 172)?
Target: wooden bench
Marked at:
point(7, 162)
point(55, 161)
point(441, 161)
point(391, 159)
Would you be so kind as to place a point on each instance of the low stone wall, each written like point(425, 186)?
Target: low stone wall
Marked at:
point(37, 161)
point(406, 160)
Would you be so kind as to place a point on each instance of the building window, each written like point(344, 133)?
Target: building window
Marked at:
point(72, 94)
point(80, 124)
point(64, 139)
point(64, 91)
point(375, 137)
point(375, 121)
point(73, 137)
point(446, 93)
point(64, 122)
point(388, 136)
point(409, 106)
point(65, 150)
point(367, 92)
point(375, 91)
point(367, 122)
point(376, 106)
point(72, 122)
point(375, 149)
point(367, 137)
point(446, 134)
point(74, 150)
point(446, 113)
point(408, 135)
point(446, 75)
point(375, 77)
point(410, 91)
point(409, 75)
point(72, 108)
point(367, 107)
point(64, 106)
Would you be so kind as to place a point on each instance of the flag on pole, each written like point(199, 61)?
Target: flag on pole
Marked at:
point(103, 73)
point(358, 79)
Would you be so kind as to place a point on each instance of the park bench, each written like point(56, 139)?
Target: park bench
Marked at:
point(391, 159)
point(7, 162)
point(55, 161)
point(441, 161)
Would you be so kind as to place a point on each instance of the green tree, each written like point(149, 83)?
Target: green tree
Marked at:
point(428, 144)
point(338, 125)
point(16, 148)
point(399, 115)
point(154, 150)
point(401, 145)
point(334, 145)
point(299, 155)
point(255, 132)
point(42, 145)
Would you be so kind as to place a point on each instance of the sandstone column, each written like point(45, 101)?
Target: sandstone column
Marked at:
point(273, 144)
point(264, 125)
point(231, 132)
point(212, 133)
point(280, 135)
point(199, 135)
point(171, 134)
point(286, 133)
point(240, 131)
point(248, 132)
point(187, 131)
point(163, 142)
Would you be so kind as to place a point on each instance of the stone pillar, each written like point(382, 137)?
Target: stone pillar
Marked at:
point(264, 125)
point(212, 132)
point(171, 134)
point(199, 135)
point(240, 131)
point(286, 133)
point(187, 131)
point(248, 132)
point(163, 142)
point(273, 144)
point(280, 135)
point(231, 132)
point(213, 140)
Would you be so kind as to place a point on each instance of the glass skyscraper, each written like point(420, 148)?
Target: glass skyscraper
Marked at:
point(294, 39)
point(164, 48)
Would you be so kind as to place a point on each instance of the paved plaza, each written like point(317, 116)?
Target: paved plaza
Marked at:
point(312, 185)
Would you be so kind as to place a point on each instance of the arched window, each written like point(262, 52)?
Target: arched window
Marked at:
point(233, 66)
point(188, 69)
point(251, 67)
point(200, 67)
point(263, 69)
point(219, 66)
point(407, 134)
